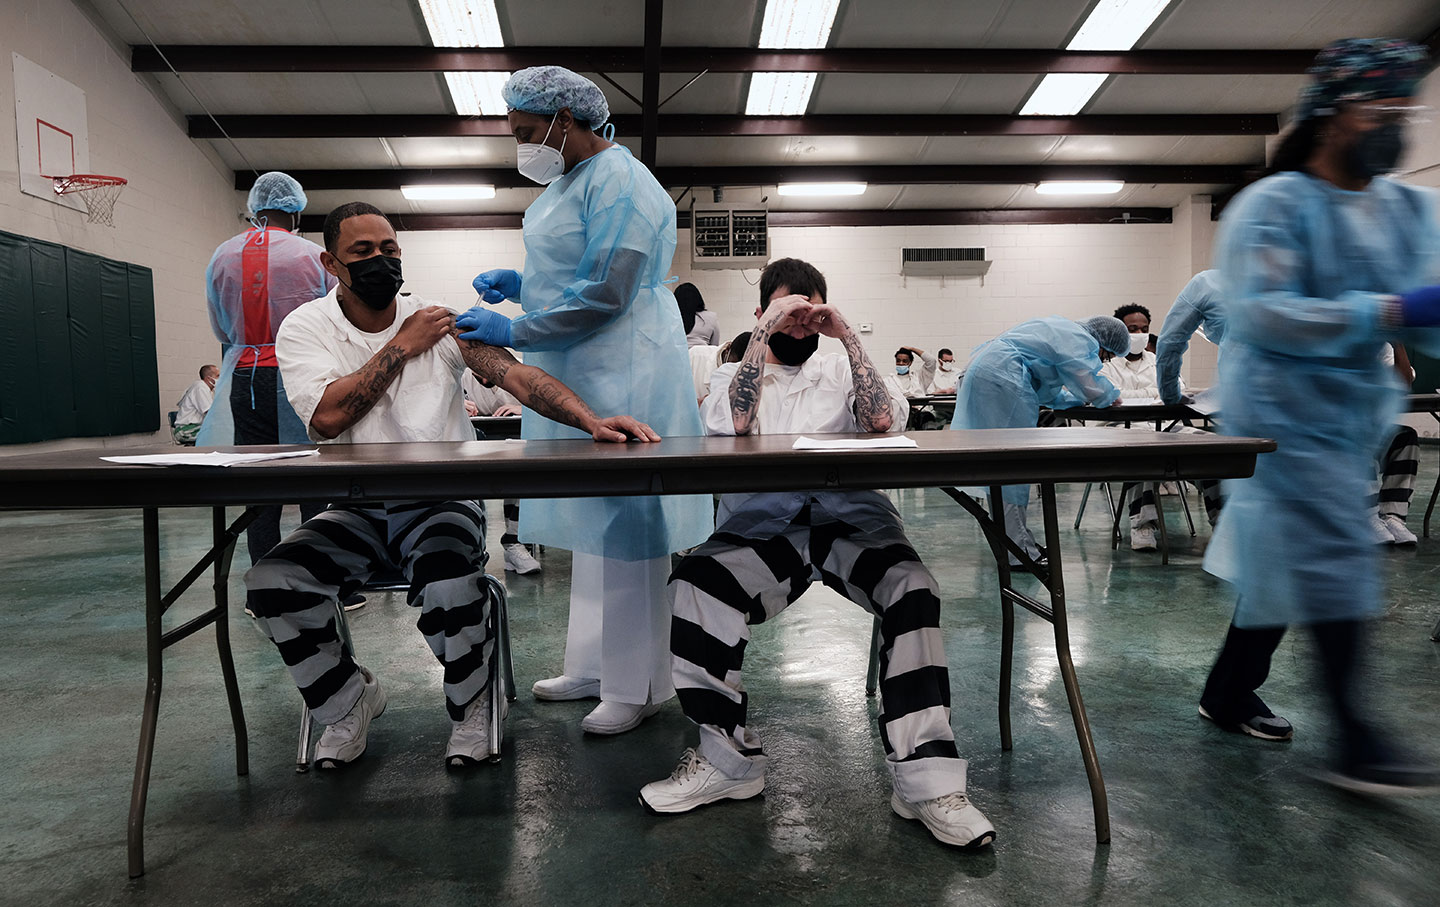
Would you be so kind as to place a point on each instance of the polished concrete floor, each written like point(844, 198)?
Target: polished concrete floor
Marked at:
point(1199, 816)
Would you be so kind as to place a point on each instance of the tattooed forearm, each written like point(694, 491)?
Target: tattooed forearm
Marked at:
point(745, 386)
point(872, 400)
point(492, 363)
point(553, 400)
point(348, 399)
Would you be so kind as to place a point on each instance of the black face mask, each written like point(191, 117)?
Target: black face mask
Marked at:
point(791, 351)
point(1376, 152)
point(375, 280)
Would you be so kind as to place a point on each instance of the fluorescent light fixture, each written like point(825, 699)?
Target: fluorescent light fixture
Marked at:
point(821, 188)
point(779, 94)
point(796, 25)
point(439, 192)
point(468, 23)
point(1080, 187)
point(1116, 24)
point(1111, 25)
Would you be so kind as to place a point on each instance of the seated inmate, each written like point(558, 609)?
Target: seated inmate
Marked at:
point(365, 365)
point(766, 549)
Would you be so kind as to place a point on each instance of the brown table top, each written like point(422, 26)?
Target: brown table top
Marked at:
point(579, 468)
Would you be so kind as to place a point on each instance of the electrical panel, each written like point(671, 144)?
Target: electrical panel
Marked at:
point(723, 235)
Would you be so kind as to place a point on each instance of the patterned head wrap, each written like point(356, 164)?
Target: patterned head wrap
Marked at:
point(1360, 69)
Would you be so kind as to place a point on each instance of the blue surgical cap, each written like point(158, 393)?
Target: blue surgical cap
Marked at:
point(543, 90)
point(276, 191)
point(1110, 333)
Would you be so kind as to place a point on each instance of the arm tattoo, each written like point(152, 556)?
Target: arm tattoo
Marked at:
point(872, 400)
point(492, 363)
point(552, 399)
point(372, 380)
point(745, 386)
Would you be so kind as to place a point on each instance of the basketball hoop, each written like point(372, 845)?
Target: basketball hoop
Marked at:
point(98, 192)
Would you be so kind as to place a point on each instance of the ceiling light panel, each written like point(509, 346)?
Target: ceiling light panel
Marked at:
point(1117, 24)
point(468, 23)
point(790, 24)
point(447, 192)
point(779, 94)
point(1079, 187)
point(821, 188)
point(1063, 93)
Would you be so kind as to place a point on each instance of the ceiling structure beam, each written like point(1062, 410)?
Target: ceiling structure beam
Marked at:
point(650, 83)
point(270, 126)
point(875, 174)
point(365, 58)
point(312, 223)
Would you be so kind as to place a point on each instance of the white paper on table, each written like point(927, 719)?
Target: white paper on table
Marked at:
point(210, 458)
point(1139, 401)
point(804, 443)
point(1207, 402)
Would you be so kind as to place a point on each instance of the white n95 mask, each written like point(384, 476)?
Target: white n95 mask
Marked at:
point(540, 162)
point(1138, 342)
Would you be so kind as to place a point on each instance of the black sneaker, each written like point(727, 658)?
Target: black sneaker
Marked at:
point(1386, 779)
point(1265, 726)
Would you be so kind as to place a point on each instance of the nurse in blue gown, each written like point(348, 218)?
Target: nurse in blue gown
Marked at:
point(598, 316)
point(1320, 265)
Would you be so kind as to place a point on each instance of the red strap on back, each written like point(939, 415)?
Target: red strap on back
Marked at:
point(255, 300)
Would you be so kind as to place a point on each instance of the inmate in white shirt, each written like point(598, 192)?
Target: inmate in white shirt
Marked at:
point(818, 396)
point(194, 404)
point(1135, 380)
point(317, 345)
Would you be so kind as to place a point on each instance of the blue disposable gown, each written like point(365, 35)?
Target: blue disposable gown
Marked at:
point(1197, 306)
point(1051, 362)
point(1303, 265)
point(294, 277)
point(598, 244)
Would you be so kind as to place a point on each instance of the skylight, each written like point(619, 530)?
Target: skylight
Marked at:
point(1111, 25)
point(468, 23)
point(793, 25)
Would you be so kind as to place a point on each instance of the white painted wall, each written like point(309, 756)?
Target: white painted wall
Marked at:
point(179, 205)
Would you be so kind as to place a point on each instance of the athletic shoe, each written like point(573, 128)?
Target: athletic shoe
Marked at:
point(1399, 532)
point(695, 782)
point(951, 819)
point(1142, 538)
point(519, 560)
point(353, 602)
point(1265, 726)
point(344, 741)
point(565, 687)
point(1380, 531)
point(1387, 779)
point(617, 717)
point(470, 737)
point(249, 613)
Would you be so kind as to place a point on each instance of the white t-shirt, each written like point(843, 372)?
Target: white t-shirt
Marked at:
point(702, 364)
point(317, 344)
point(818, 396)
point(1135, 380)
point(194, 404)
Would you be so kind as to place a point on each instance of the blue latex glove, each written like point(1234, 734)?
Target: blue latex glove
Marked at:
point(498, 285)
point(1420, 308)
point(485, 326)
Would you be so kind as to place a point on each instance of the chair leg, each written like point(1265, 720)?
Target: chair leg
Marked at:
point(1118, 508)
point(502, 679)
point(1084, 496)
point(872, 676)
point(1185, 502)
point(1164, 538)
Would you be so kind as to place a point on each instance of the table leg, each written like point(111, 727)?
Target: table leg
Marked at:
point(1058, 618)
point(222, 639)
point(1007, 620)
point(154, 664)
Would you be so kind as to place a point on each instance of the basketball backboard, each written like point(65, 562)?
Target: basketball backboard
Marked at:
point(52, 136)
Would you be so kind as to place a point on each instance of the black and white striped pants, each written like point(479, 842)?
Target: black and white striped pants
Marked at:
point(1144, 513)
point(1398, 469)
point(440, 548)
point(511, 510)
point(732, 582)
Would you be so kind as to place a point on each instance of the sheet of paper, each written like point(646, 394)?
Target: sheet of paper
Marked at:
point(804, 443)
point(1140, 401)
point(209, 458)
point(1207, 402)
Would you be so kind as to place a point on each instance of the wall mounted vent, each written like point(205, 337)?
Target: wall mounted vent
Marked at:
point(951, 262)
point(730, 236)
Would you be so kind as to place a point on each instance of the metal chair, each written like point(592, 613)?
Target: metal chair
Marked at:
point(500, 690)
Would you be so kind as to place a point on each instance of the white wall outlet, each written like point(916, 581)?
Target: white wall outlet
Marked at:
point(866, 327)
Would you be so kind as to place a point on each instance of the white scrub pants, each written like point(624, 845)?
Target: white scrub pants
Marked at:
point(620, 627)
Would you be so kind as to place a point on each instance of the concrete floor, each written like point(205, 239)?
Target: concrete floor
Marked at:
point(1199, 816)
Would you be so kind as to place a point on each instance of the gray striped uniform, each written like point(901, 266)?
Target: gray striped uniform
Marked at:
point(439, 546)
point(1398, 469)
point(733, 581)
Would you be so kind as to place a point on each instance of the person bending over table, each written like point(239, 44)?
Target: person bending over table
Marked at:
point(364, 365)
point(1052, 362)
point(768, 547)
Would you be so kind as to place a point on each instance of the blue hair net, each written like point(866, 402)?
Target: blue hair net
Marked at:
point(1110, 333)
point(543, 90)
point(276, 191)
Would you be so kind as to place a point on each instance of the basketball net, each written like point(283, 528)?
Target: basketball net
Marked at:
point(98, 192)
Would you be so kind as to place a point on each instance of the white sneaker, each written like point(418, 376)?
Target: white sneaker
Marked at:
point(1399, 532)
point(951, 819)
point(696, 782)
point(1142, 538)
point(344, 740)
point(565, 688)
point(1380, 530)
point(470, 736)
point(617, 717)
point(519, 560)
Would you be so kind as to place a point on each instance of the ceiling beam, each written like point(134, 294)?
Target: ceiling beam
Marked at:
point(269, 126)
point(365, 58)
point(312, 223)
point(880, 175)
point(650, 83)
